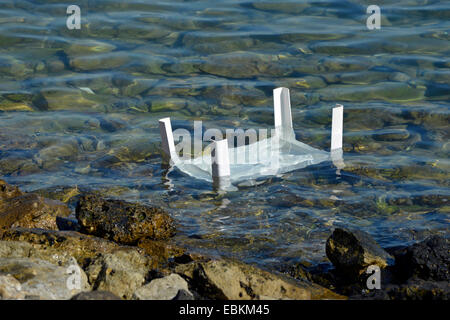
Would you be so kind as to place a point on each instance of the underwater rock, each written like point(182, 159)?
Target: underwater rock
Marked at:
point(306, 82)
point(419, 289)
point(138, 86)
point(166, 288)
point(121, 221)
point(239, 64)
point(438, 91)
point(39, 279)
point(65, 99)
point(229, 96)
point(141, 31)
point(391, 134)
point(7, 105)
point(167, 104)
point(13, 67)
point(387, 91)
point(104, 61)
point(82, 47)
point(229, 280)
point(283, 6)
point(428, 260)
point(351, 252)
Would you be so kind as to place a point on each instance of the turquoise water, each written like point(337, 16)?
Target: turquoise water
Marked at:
point(79, 111)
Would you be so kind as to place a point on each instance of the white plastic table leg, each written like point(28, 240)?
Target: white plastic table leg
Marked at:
point(220, 164)
point(337, 125)
point(168, 145)
point(220, 160)
point(282, 111)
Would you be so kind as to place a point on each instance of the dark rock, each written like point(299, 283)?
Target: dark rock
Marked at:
point(419, 289)
point(121, 221)
point(95, 295)
point(413, 289)
point(428, 260)
point(351, 252)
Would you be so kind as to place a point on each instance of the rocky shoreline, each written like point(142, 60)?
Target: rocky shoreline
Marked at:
point(121, 250)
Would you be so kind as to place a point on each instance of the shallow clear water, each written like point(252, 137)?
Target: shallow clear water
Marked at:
point(79, 111)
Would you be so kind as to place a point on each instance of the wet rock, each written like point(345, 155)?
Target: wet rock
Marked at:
point(160, 250)
point(104, 61)
point(284, 7)
point(138, 87)
point(28, 210)
point(171, 104)
point(438, 91)
point(7, 105)
point(8, 191)
point(121, 221)
point(230, 96)
point(14, 67)
point(419, 289)
point(95, 295)
point(428, 260)
point(82, 47)
point(40, 279)
point(226, 279)
point(307, 82)
point(121, 272)
point(386, 91)
point(351, 252)
point(166, 288)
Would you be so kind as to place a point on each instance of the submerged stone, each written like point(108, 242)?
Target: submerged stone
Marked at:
point(238, 64)
point(391, 134)
point(387, 91)
point(65, 99)
point(82, 47)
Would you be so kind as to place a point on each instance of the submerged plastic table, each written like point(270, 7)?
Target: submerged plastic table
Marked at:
point(278, 154)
